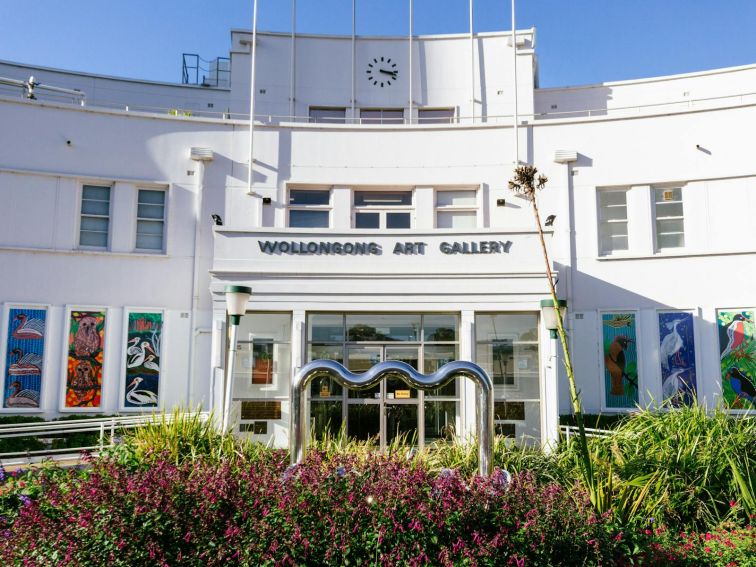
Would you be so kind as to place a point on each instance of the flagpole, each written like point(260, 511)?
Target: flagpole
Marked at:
point(253, 66)
point(354, 60)
point(410, 63)
point(292, 99)
point(514, 89)
point(472, 66)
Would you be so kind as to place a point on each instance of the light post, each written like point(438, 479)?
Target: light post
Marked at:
point(236, 305)
point(549, 314)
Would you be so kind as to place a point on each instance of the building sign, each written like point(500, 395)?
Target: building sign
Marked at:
point(320, 248)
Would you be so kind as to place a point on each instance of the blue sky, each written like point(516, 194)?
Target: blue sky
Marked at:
point(579, 41)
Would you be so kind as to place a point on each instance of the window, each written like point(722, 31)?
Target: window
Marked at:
point(382, 116)
point(309, 208)
point(328, 115)
point(150, 231)
point(456, 209)
point(668, 209)
point(507, 349)
point(612, 220)
point(435, 115)
point(94, 229)
point(383, 209)
point(262, 373)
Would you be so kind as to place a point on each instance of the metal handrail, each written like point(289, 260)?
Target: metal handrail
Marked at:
point(570, 430)
point(505, 119)
point(106, 427)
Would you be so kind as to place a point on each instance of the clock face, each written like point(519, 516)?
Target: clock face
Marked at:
point(382, 71)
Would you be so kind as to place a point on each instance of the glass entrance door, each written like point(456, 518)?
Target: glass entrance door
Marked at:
point(389, 409)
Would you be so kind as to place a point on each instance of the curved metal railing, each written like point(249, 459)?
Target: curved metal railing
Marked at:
point(394, 369)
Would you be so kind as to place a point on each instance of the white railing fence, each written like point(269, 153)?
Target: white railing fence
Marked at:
point(569, 431)
point(105, 428)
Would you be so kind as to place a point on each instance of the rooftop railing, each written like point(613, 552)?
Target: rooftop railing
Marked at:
point(11, 88)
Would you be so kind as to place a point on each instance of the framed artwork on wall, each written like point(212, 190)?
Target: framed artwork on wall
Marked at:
point(141, 365)
point(620, 364)
point(737, 357)
point(23, 355)
point(677, 357)
point(85, 357)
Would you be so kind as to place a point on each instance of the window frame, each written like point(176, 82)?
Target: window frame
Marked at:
point(382, 120)
point(456, 208)
point(312, 120)
point(384, 210)
point(655, 217)
point(437, 120)
point(98, 184)
point(327, 208)
point(164, 220)
point(601, 221)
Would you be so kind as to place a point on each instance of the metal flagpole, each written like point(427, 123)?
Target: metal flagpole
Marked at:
point(409, 78)
point(472, 66)
point(253, 54)
point(514, 88)
point(354, 59)
point(292, 107)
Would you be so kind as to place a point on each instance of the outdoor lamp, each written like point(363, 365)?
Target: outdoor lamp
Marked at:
point(236, 305)
point(549, 314)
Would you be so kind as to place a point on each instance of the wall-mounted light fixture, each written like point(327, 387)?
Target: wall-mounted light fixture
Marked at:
point(501, 202)
point(549, 315)
point(267, 200)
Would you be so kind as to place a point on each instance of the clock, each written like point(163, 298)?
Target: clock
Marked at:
point(382, 71)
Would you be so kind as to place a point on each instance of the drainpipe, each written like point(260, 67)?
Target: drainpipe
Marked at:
point(201, 156)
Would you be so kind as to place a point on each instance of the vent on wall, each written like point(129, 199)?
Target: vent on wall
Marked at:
point(201, 154)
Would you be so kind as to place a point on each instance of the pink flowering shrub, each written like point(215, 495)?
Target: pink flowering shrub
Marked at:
point(344, 510)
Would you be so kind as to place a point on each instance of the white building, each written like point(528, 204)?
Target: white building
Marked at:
point(378, 225)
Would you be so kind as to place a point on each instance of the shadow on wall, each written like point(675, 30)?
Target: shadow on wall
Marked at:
point(593, 338)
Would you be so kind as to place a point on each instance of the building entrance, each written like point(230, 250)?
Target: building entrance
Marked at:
point(392, 409)
point(389, 410)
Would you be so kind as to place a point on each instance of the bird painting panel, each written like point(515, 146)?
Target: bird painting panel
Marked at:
point(86, 344)
point(24, 359)
point(677, 357)
point(737, 357)
point(142, 362)
point(620, 360)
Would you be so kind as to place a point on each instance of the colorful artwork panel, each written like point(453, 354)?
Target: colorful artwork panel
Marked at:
point(142, 387)
point(24, 358)
point(620, 360)
point(86, 342)
point(737, 358)
point(677, 357)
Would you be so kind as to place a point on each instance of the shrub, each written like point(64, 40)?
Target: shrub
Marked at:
point(345, 510)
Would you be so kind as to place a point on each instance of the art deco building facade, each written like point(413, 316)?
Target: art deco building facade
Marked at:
point(377, 226)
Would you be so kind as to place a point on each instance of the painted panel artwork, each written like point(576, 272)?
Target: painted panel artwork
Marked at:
point(86, 341)
point(737, 358)
point(24, 358)
point(620, 360)
point(677, 357)
point(143, 360)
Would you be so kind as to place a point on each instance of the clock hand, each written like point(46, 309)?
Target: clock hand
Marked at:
point(392, 73)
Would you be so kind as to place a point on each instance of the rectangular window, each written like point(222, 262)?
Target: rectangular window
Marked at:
point(383, 209)
point(435, 115)
point(668, 209)
point(612, 221)
point(327, 115)
point(507, 349)
point(150, 230)
point(382, 116)
point(94, 229)
point(456, 209)
point(309, 208)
